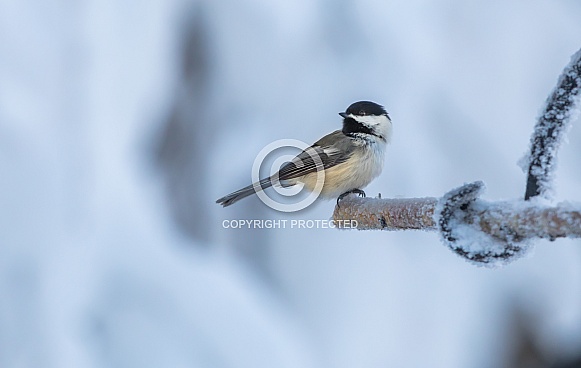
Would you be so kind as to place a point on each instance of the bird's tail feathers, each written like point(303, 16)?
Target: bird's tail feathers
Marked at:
point(244, 192)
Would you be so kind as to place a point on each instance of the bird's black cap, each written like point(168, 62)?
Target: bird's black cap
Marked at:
point(362, 108)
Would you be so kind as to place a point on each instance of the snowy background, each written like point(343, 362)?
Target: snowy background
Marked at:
point(121, 122)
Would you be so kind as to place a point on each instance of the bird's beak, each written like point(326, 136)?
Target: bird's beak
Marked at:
point(343, 115)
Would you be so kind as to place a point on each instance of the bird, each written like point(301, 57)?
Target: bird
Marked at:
point(350, 157)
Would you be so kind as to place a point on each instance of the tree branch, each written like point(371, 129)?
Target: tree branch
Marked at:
point(560, 110)
point(497, 219)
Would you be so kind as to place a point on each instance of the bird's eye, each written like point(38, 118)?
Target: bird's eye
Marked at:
point(362, 113)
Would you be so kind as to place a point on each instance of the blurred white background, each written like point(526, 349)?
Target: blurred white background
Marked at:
point(122, 122)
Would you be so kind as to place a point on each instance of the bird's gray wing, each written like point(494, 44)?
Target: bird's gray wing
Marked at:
point(331, 150)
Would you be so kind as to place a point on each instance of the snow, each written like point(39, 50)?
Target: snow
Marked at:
point(497, 233)
point(94, 271)
point(551, 129)
point(458, 215)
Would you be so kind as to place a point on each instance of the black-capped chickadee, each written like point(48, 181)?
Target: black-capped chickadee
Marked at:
point(351, 158)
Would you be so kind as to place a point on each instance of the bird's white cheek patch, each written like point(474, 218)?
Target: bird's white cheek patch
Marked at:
point(371, 120)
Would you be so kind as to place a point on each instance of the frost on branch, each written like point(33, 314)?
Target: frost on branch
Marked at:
point(561, 108)
point(460, 228)
point(485, 233)
point(515, 219)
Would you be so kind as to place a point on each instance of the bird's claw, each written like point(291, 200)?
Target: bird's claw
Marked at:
point(359, 192)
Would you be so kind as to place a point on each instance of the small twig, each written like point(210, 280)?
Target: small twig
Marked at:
point(560, 109)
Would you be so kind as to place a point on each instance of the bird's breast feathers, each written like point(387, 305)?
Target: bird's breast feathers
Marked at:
point(357, 172)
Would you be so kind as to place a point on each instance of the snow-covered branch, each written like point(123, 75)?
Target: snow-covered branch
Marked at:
point(561, 108)
point(486, 233)
point(499, 219)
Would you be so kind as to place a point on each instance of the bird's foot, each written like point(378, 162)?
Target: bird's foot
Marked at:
point(358, 191)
